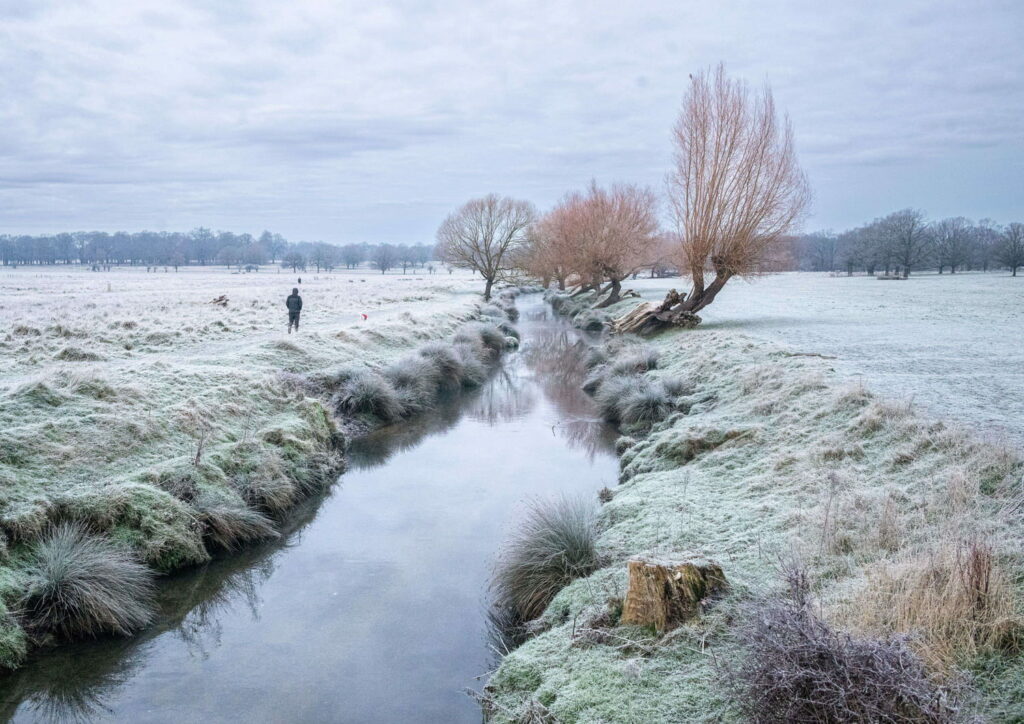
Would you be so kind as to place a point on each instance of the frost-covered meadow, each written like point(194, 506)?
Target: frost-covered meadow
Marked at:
point(766, 456)
point(127, 397)
point(953, 344)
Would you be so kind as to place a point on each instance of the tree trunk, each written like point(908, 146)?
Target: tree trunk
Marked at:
point(487, 289)
point(698, 301)
point(613, 296)
point(663, 595)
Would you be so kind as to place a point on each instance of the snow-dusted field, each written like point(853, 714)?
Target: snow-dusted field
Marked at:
point(952, 344)
point(104, 374)
point(54, 315)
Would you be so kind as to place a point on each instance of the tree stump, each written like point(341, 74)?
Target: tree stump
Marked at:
point(664, 595)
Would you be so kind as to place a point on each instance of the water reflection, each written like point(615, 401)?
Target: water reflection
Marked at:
point(555, 354)
point(549, 365)
point(378, 447)
point(505, 398)
point(77, 682)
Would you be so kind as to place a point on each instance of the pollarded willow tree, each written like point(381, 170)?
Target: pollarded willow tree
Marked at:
point(736, 191)
point(600, 237)
point(619, 227)
point(487, 235)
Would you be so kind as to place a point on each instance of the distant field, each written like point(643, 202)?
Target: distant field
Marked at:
point(952, 344)
point(49, 314)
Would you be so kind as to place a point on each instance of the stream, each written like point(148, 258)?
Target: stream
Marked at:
point(372, 606)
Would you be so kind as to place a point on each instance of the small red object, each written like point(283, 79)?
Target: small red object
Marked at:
point(365, 317)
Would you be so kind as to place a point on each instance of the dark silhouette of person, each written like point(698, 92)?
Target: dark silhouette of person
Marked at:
point(294, 304)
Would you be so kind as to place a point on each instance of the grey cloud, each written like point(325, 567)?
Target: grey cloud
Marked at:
point(346, 122)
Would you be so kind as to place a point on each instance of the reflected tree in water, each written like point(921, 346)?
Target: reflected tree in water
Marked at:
point(504, 398)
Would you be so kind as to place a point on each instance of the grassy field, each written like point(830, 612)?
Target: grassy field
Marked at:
point(132, 404)
point(952, 344)
point(761, 458)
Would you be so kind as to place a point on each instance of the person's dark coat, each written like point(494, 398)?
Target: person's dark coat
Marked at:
point(294, 302)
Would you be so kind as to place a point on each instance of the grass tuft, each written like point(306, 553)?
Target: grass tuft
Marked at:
point(446, 362)
point(228, 525)
point(416, 380)
point(367, 393)
point(474, 373)
point(555, 544)
point(645, 406)
point(614, 391)
point(83, 585)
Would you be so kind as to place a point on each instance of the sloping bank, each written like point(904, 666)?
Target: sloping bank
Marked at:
point(829, 509)
point(78, 558)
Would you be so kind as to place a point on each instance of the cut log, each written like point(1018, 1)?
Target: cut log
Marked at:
point(663, 595)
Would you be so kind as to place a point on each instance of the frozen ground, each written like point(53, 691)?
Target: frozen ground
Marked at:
point(772, 453)
point(952, 344)
point(97, 369)
point(117, 388)
point(48, 316)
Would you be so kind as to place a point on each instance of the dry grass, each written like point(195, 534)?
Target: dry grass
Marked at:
point(228, 525)
point(956, 602)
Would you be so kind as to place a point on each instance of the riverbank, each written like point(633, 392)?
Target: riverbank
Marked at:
point(370, 606)
point(769, 456)
point(164, 423)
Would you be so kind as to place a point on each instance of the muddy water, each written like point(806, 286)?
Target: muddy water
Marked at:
point(372, 606)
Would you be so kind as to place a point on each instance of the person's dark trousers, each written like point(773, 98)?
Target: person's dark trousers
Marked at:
point(293, 321)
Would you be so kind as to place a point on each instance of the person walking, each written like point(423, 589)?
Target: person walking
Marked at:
point(294, 304)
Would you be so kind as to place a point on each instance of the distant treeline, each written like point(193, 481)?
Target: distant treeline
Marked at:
point(202, 247)
point(905, 241)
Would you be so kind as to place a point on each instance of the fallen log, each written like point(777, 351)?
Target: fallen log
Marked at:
point(650, 317)
point(628, 320)
point(663, 595)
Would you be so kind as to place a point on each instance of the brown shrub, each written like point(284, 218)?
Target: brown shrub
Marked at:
point(797, 668)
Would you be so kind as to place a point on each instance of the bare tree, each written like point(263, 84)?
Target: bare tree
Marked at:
point(953, 240)
point(486, 235)
point(547, 250)
point(1010, 251)
point(619, 232)
point(352, 255)
point(986, 235)
point(383, 257)
point(293, 259)
point(824, 247)
point(735, 191)
point(908, 236)
point(737, 187)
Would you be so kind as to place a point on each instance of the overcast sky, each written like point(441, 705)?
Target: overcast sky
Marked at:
point(370, 121)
